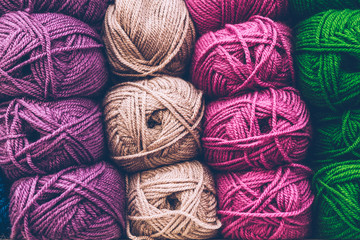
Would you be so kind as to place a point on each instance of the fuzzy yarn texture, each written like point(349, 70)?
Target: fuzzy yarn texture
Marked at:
point(266, 204)
point(75, 203)
point(337, 205)
point(212, 15)
point(154, 122)
point(49, 56)
point(4, 207)
point(43, 137)
point(172, 202)
point(242, 57)
point(148, 38)
point(258, 129)
point(327, 59)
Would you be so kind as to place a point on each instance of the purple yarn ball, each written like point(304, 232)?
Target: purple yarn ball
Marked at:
point(49, 56)
point(43, 137)
point(85, 202)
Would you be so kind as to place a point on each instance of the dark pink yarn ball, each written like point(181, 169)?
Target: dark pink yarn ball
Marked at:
point(44, 137)
point(266, 204)
point(212, 15)
point(251, 55)
point(86, 202)
point(259, 129)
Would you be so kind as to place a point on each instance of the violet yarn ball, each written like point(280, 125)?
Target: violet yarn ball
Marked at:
point(242, 57)
point(44, 137)
point(256, 130)
point(266, 204)
point(49, 56)
point(85, 202)
point(212, 15)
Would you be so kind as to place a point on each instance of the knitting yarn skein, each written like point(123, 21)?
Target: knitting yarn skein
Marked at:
point(172, 202)
point(242, 57)
point(212, 15)
point(148, 38)
point(153, 122)
point(266, 204)
point(327, 59)
point(75, 203)
point(4, 208)
point(49, 56)
point(44, 137)
point(259, 129)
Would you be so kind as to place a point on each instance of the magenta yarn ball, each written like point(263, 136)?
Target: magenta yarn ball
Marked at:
point(266, 204)
point(86, 202)
point(261, 129)
point(43, 137)
point(212, 15)
point(242, 57)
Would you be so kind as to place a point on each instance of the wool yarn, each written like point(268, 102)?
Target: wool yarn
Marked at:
point(85, 202)
point(148, 38)
point(259, 129)
point(49, 56)
point(4, 208)
point(212, 15)
point(327, 59)
point(172, 202)
point(266, 204)
point(242, 57)
point(42, 137)
point(154, 122)
point(337, 200)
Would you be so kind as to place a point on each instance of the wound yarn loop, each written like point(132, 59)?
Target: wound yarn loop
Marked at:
point(75, 203)
point(172, 202)
point(4, 208)
point(44, 137)
point(242, 57)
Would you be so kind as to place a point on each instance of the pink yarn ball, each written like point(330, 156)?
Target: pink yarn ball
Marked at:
point(259, 129)
point(212, 15)
point(251, 55)
point(266, 204)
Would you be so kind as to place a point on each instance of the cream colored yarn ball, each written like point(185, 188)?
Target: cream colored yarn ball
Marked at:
point(172, 202)
point(154, 122)
point(148, 37)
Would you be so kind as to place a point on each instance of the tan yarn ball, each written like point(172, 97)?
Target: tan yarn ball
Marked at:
point(152, 123)
point(172, 202)
point(148, 37)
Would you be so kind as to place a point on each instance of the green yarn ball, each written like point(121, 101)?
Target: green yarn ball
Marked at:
point(337, 202)
point(327, 59)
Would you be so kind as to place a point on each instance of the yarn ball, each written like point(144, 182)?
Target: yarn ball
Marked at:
point(4, 208)
point(43, 137)
point(242, 57)
point(75, 203)
point(337, 202)
point(212, 15)
point(266, 204)
point(148, 38)
point(259, 129)
point(154, 122)
point(49, 56)
point(328, 59)
point(172, 202)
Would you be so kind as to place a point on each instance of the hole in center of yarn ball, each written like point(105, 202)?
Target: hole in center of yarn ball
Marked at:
point(155, 119)
point(173, 201)
point(264, 125)
point(350, 63)
point(31, 134)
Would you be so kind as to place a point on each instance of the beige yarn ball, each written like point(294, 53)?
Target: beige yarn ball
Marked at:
point(154, 122)
point(172, 202)
point(148, 37)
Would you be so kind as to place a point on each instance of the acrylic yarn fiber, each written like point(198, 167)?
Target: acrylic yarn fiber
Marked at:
point(259, 129)
point(4, 208)
point(43, 137)
point(251, 55)
point(148, 38)
point(49, 56)
point(212, 15)
point(327, 59)
point(266, 204)
point(337, 200)
point(85, 202)
point(154, 122)
point(172, 202)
